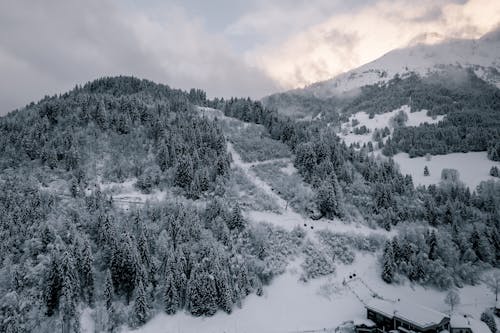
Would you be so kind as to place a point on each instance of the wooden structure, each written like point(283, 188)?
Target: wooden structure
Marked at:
point(406, 317)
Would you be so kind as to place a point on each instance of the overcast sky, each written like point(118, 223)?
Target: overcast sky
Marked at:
point(226, 47)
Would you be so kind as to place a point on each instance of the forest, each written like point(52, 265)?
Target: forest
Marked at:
point(347, 181)
point(67, 244)
point(471, 105)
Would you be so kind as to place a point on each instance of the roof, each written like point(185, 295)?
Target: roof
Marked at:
point(462, 321)
point(418, 315)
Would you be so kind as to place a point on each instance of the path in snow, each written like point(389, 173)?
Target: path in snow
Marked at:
point(289, 218)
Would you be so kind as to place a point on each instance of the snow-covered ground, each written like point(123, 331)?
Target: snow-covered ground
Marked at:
point(380, 121)
point(322, 304)
point(288, 218)
point(473, 167)
point(420, 57)
point(289, 305)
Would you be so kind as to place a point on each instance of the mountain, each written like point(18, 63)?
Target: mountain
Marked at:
point(123, 200)
point(482, 55)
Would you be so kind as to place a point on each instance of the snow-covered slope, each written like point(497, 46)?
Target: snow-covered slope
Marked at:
point(482, 55)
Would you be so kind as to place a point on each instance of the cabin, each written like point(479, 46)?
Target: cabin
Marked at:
point(466, 324)
point(406, 317)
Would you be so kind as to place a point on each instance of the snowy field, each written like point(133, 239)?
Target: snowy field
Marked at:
point(379, 121)
point(289, 305)
point(473, 167)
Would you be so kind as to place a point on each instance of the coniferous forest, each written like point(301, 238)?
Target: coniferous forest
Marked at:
point(67, 243)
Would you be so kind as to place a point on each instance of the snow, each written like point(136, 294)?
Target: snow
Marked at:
point(473, 167)
point(414, 313)
point(288, 218)
point(289, 305)
point(464, 321)
point(322, 304)
point(380, 121)
point(86, 321)
point(422, 59)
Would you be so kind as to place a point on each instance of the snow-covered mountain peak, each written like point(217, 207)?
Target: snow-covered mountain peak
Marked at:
point(426, 55)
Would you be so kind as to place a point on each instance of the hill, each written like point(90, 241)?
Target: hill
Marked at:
point(125, 199)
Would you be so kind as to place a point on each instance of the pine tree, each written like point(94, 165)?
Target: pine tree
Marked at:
point(163, 158)
point(108, 290)
point(87, 274)
point(426, 171)
point(53, 286)
point(184, 172)
point(201, 294)
point(489, 320)
point(325, 198)
point(170, 297)
point(494, 171)
point(69, 294)
point(141, 309)
point(388, 263)
point(236, 220)
point(433, 246)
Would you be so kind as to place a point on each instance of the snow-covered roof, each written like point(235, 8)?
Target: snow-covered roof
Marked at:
point(418, 315)
point(461, 321)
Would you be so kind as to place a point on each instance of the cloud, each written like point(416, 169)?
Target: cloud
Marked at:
point(349, 39)
point(253, 48)
point(48, 47)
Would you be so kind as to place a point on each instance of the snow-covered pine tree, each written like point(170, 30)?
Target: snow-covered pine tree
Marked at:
point(141, 308)
point(201, 294)
point(388, 263)
point(171, 300)
point(488, 319)
point(426, 171)
point(236, 220)
point(69, 294)
point(494, 171)
point(53, 285)
point(87, 273)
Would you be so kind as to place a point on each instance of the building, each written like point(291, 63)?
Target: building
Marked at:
point(465, 324)
point(406, 317)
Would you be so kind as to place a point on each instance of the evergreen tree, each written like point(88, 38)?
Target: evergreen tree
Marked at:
point(53, 286)
point(108, 290)
point(184, 172)
point(171, 297)
point(489, 320)
point(236, 220)
point(426, 171)
point(388, 263)
point(328, 198)
point(141, 309)
point(433, 246)
point(69, 294)
point(87, 274)
point(494, 171)
point(201, 294)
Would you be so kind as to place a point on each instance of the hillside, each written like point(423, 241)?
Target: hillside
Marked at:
point(422, 58)
point(127, 203)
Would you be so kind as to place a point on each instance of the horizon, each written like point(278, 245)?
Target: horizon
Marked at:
point(225, 48)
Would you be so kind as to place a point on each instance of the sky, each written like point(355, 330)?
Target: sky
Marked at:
point(226, 47)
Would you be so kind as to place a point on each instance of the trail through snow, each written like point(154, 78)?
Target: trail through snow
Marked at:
point(288, 218)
